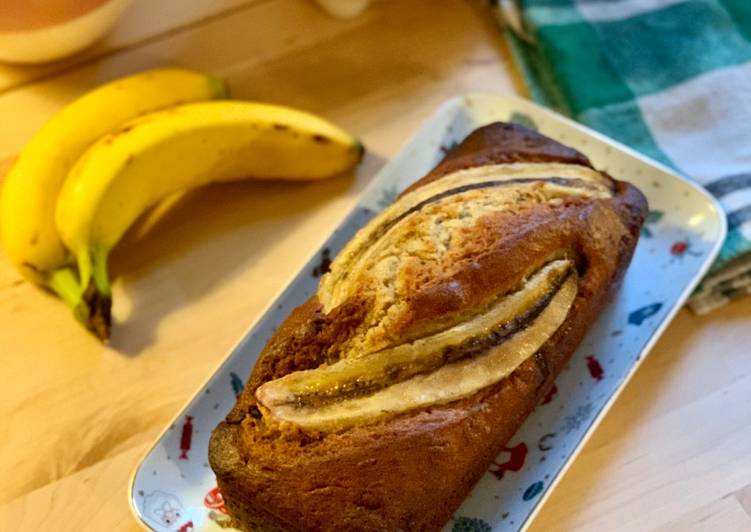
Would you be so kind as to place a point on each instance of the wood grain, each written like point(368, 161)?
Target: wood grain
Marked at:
point(76, 416)
point(144, 21)
point(670, 452)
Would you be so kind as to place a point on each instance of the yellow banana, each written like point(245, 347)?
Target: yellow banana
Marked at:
point(168, 151)
point(27, 207)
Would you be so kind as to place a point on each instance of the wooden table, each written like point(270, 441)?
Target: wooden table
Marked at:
point(76, 416)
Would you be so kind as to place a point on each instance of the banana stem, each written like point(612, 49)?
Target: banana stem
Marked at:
point(90, 307)
point(98, 296)
point(99, 272)
point(64, 282)
point(99, 309)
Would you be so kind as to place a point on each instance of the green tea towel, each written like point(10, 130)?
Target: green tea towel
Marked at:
point(670, 78)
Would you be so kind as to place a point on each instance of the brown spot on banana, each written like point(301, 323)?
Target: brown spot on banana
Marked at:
point(32, 267)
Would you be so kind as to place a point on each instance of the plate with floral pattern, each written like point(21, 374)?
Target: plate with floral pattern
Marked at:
point(173, 487)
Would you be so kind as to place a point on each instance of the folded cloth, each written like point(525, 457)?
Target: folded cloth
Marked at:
point(670, 78)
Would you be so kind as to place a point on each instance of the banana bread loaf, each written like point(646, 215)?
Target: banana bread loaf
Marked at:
point(380, 402)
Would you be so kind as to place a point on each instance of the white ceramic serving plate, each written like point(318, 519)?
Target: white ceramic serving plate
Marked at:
point(173, 487)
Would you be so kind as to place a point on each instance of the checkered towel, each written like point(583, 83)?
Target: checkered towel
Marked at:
point(670, 78)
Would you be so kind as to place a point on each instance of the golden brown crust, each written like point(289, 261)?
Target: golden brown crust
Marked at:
point(413, 471)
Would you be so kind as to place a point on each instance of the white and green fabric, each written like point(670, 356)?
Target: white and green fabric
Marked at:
point(670, 78)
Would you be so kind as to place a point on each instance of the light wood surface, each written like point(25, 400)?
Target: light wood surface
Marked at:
point(76, 416)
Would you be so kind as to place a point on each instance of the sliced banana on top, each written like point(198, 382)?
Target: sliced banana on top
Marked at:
point(438, 369)
point(506, 184)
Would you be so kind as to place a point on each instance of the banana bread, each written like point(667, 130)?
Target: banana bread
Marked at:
point(380, 402)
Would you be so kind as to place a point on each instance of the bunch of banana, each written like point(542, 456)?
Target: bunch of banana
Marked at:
point(97, 165)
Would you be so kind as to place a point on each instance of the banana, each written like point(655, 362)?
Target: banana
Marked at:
point(29, 196)
point(175, 149)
